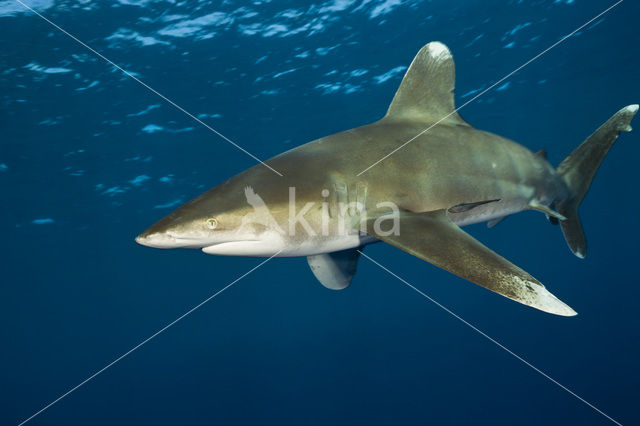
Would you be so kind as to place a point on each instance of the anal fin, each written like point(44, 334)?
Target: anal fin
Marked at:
point(494, 222)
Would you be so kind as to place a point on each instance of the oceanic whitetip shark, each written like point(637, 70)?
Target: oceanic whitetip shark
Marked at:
point(323, 206)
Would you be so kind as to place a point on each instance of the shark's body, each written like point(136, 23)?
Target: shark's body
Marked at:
point(448, 176)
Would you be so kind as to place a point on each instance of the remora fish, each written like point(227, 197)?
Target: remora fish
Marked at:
point(416, 199)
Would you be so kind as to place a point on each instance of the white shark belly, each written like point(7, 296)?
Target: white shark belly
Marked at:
point(275, 244)
point(321, 245)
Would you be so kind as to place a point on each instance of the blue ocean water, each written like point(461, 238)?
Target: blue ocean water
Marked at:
point(89, 158)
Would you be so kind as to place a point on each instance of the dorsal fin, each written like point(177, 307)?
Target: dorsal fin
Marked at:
point(426, 92)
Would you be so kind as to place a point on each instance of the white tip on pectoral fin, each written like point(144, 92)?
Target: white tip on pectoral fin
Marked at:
point(544, 300)
point(631, 111)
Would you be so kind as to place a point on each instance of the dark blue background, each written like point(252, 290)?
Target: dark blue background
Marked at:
point(278, 348)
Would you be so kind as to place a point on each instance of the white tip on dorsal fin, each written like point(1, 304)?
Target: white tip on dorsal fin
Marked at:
point(426, 92)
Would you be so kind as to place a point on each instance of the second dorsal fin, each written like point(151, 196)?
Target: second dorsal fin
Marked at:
point(426, 92)
point(542, 153)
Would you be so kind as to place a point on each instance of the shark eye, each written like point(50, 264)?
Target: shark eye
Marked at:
point(212, 223)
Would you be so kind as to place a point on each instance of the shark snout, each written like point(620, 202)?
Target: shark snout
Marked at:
point(169, 239)
point(157, 240)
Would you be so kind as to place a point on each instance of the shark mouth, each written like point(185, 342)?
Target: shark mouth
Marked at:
point(261, 248)
point(167, 241)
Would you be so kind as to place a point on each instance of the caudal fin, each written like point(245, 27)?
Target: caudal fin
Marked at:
point(578, 170)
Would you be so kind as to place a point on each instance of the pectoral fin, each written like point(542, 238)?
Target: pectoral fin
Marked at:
point(335, 270)
point(435, 238)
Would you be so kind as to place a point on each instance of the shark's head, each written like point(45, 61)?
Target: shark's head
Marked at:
point(199, 223)
point(224, 220)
